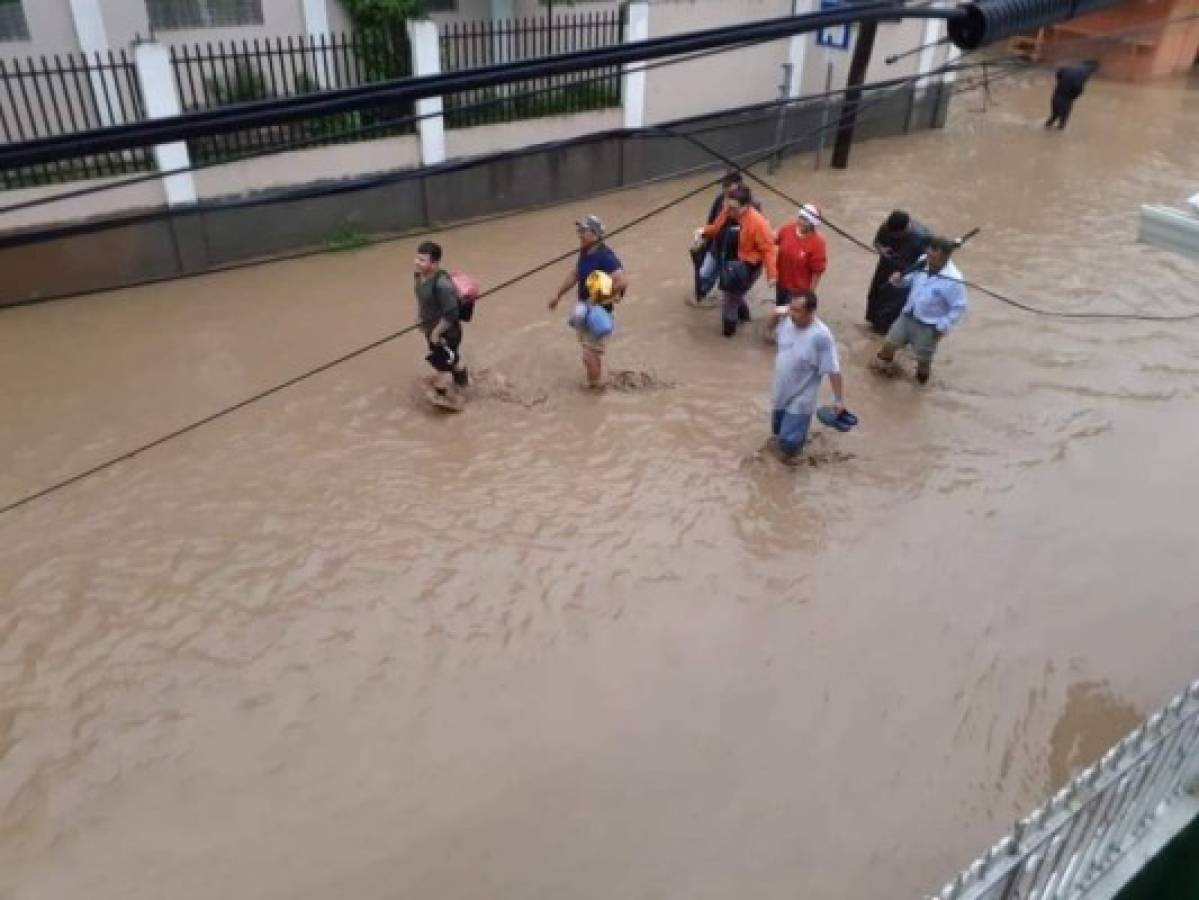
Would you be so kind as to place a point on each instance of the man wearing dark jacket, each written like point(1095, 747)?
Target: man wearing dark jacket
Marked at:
point(900, 242)
point(699, 250)
point(1070, 83)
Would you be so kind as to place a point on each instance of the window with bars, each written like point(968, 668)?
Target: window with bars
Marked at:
point(13, 26)
point(166, 15)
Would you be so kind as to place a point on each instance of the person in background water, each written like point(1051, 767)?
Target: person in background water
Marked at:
point(701, 248)
point(806, 354)
point(437, 303)
point(742, 243)
point(803, 255)
point(936, 304)
point(1071, 80)
point(594, 256)
point(900, 242)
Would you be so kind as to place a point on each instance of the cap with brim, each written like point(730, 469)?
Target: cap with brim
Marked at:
point(592, 224)
point(810, 214)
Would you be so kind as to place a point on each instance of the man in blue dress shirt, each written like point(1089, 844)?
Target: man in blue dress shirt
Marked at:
point(936, 304)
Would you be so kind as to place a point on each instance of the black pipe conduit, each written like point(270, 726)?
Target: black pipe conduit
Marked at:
point(273, 112)
point(971, 25)
point(986, 21)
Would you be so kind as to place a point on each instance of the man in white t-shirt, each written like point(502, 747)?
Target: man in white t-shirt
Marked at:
point(806, 353)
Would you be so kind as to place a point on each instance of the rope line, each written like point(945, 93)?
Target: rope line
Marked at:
point(386, 339)
point(744, 167)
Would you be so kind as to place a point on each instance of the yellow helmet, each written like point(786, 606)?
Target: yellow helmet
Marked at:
point(599, 286)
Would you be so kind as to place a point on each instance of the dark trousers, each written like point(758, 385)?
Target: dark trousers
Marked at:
point(1059, 110)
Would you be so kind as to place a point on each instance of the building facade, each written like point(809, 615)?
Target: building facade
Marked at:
point(32, 28)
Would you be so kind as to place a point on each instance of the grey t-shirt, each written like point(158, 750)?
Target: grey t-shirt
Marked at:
point(805, 355)
point(436, 300)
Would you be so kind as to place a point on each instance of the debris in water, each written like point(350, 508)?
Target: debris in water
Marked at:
point(815, 454)
point(488, 385)
point(629, 380)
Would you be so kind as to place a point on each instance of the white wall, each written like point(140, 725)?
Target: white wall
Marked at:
point(146, 195)
point(731, 79)
point(464, 142)
point(892, 37)
point(51, 30)
point(300, 167)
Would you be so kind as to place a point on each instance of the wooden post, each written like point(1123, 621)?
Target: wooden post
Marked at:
point(853, 94)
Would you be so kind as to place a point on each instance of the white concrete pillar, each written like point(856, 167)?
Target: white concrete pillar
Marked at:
point(503, 9)
point(633, 78)
point(501, 42)
point(426, 60)
point(797, 46)
point(153, 64)
point(933, 31)
point(316, 28)
point(316, 17)
point(951, 58)
point(93, 39)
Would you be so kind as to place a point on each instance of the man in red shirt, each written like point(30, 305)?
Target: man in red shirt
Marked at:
point(803, 256)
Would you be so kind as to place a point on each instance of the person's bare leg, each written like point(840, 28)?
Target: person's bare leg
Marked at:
point(593, 364)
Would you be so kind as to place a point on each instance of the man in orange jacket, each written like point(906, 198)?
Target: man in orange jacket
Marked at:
point(742, 243)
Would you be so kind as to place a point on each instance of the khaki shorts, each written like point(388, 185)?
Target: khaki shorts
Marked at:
point(922, 338)
point(587, 342)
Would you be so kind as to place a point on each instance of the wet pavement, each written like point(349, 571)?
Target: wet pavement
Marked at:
point(592, 647)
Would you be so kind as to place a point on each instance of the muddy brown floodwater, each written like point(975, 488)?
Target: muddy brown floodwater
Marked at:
point(565, 646)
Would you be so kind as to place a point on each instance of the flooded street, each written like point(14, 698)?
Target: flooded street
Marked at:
point(567, 646)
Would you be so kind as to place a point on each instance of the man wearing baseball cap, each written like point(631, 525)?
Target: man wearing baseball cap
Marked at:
point(803, 255)
point(594, 256)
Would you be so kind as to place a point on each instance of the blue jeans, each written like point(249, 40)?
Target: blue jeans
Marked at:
point(706, 277)
point(791, 430)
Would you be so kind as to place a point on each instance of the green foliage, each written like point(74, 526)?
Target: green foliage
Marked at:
point(244, 86)
point(367, 14)
point(347, 236)
point(574, 98)
point(381, 35)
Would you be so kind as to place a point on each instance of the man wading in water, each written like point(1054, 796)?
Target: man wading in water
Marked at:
point(806, 353)
point(900, 242)
point(437, 303)
point(742, 242)
point(701, 248)
point(803, 255)
point(936, 303)
point(594, 256)
point(1071, 80)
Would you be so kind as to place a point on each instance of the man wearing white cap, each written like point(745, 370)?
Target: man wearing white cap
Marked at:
point(803, 255)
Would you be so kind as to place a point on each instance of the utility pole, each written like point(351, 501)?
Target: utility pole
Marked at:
point(780, 127)
point(853, 93)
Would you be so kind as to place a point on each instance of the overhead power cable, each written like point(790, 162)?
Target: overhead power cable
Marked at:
point(386, 339)
point(274, 112)
point(869, 248)
point(744, 167)
point(390, 124)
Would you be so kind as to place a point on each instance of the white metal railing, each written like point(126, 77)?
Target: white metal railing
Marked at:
point(1075, 838)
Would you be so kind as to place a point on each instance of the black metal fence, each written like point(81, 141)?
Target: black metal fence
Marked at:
point(470, 45)
point(71, 93)
point(223, 74)
point(67, 93)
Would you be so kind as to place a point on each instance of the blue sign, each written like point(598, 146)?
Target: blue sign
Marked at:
point(836, 38)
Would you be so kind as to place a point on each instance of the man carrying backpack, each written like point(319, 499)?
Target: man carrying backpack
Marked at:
point(441, 321)
point(743, 242)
